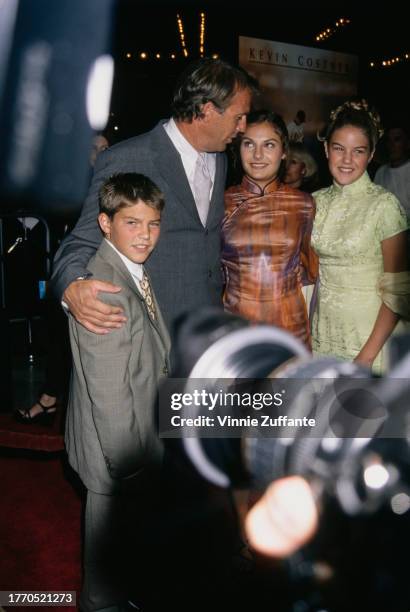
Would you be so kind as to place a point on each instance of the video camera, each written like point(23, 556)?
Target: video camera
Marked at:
point(352, 413)
point(356, 456)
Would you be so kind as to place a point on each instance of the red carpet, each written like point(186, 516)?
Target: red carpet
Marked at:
point(34, 437)
point(40, 525)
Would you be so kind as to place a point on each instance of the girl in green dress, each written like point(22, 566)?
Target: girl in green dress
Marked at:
point(359, 234)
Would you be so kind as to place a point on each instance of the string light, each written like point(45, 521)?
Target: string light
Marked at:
point(390, 62)
point(182, 36)
point(202, 35)
point(328, 32)
point(144, 55)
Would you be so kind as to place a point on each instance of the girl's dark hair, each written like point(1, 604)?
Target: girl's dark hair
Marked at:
point(357, 114)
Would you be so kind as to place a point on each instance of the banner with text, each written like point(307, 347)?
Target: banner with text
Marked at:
point(294, 78)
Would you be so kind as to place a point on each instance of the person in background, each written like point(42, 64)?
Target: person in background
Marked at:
point(100, 144)
point(266, 233)
point(395, 175)
point(359, 235)
point(54, 389)
point(301, 168)
point(296, 127)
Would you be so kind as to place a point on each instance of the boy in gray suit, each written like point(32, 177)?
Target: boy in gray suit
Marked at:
point(110, 433)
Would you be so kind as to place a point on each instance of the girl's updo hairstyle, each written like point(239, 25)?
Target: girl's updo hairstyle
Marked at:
point(358, 114)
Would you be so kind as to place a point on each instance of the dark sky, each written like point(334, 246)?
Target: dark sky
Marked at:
point(142, 90)
point(372, 31)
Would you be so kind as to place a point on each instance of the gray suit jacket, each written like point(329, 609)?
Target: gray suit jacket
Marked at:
point(185, 266)
point(110, 430)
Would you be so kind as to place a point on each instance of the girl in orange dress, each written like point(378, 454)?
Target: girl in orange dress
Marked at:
point(266, 254)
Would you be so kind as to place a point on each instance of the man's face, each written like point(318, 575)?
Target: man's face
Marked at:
point(100, 143)
point(398, 145)
point(219, 129)
point(133, 230)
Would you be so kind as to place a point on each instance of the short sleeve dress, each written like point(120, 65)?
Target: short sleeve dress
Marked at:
point(350, 224)
point(266, 254)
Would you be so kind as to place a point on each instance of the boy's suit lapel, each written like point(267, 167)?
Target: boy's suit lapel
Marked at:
point(110, 256)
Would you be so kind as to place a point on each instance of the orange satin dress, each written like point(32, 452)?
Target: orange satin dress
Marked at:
point(266, 254)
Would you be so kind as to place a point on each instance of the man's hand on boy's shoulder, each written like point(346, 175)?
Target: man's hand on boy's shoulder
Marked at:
point(81, 297)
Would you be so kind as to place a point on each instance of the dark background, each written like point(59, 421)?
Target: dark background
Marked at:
point(143, 88)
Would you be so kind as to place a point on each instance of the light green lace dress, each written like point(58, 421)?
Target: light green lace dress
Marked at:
point(349, 226)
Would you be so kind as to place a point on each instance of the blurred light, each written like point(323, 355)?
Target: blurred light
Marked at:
point(98, 91)
point(116, 127)
point(128, 55)
point(343, 21)
point(376, 476)
point(182, 35)
point(172, 55)
point(202, 35)
point(331, 445)
point(215, 56)
point(391, 62)
point(143, 55)
point(158, 55)
point(400, 503)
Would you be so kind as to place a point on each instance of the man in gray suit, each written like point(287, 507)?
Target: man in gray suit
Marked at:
point(210, 104)
point(110, 432)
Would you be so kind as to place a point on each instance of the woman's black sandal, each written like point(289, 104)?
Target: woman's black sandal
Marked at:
point(46, 417)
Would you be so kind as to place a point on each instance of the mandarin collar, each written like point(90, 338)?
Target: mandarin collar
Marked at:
point(251, 186)
point(359, 186)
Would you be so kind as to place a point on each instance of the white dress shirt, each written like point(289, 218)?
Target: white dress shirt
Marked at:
point(135, 269)
point(189, 155)
point(396, 180)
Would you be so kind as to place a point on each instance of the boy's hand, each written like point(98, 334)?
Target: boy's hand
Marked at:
point(96, 316)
